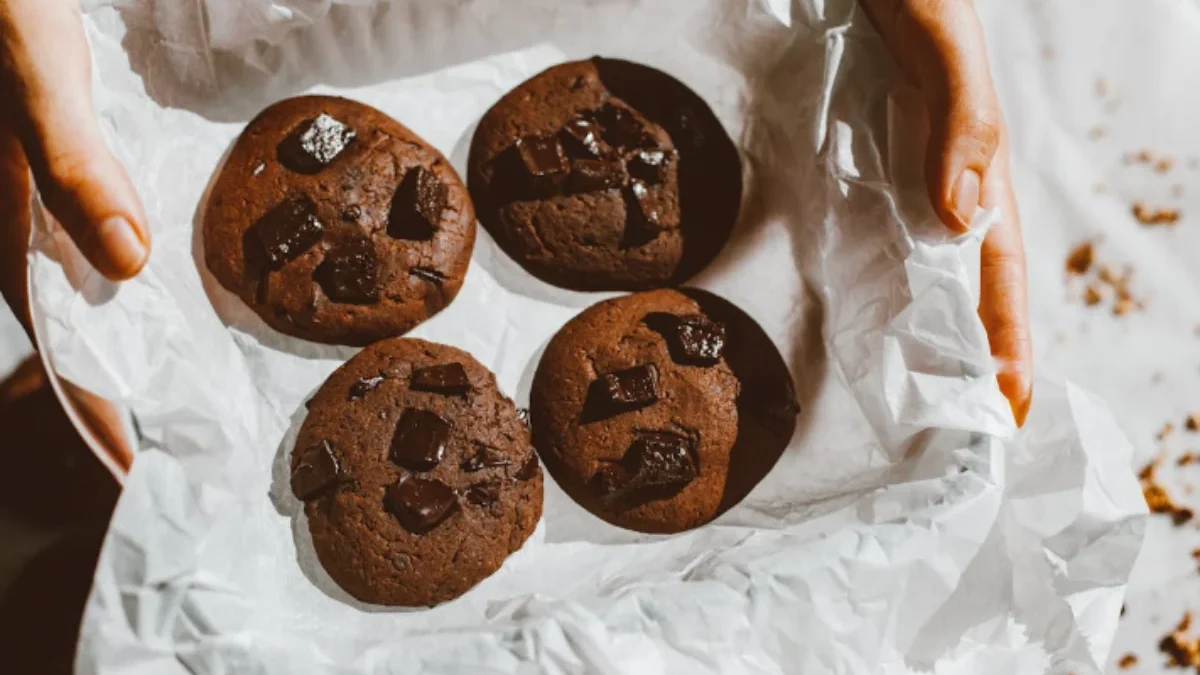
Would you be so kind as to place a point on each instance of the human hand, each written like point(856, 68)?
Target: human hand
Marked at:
point(940, 48)
point(47, 125)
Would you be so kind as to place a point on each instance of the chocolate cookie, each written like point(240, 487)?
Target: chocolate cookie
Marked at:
point(335, 223)
point(605, 175)
point(660, 410)
point(418, 475)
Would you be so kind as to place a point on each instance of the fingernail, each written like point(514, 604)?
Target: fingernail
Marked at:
point(123, 245)
point(966, 196)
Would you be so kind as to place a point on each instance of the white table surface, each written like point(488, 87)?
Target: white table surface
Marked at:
point(1063, 69)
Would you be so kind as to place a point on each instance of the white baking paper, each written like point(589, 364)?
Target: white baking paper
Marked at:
point(908, 528)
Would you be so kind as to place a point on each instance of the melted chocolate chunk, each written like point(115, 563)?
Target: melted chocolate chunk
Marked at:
point(449, 379)
point(419, 442)
point(485, 495)
point(657, 465)
point(314, 144)
point(528, 470)
point(643, 215)
point(428, 274)
point(593, 175)
point(364, 386)
point(288, 230)
point(632, 387)
point(649, 166)
point(349, 275)
point(581, 137)
point(661, 458)
point(420, 504)
point(542, 156)
point(697, 340)
point(351, 213)
point(484, 458)
point(622, 128)
point(417, 206)
point(316, 471)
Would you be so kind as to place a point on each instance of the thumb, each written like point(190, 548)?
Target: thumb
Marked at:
point(939, 45)
point(81, 182)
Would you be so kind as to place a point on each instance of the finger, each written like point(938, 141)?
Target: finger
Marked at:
point(49, 105)
point(15, 193)
point(1003, 301)
point(939, 45)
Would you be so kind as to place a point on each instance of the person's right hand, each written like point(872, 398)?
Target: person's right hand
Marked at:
point(47, 126)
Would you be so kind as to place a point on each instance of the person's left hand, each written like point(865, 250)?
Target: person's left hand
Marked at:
point(939, 46)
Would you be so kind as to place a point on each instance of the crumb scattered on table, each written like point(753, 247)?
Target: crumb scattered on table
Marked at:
point(1148, 215)
point(1187, 458)
point(1127, 661)
point(1157, 498)
point(1079, 261)
point(1192, 422)
point(1182, 651)
point(1164, 431)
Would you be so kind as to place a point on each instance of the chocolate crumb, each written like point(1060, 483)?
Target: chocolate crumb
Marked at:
point(1127, 661)
point(1192, 423)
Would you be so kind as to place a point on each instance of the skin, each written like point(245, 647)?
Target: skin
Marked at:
point(49, 137)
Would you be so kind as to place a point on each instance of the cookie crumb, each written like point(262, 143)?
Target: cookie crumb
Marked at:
point(1127, 661)
point(1187, 458)
point(1157, 498)
point(1164, 431)
point(1192, 423)
point(1164, 164)
point(1147, 215)
point(1124, 306)
point(1079, 261)
point(1092, 297)
point(1183, 652)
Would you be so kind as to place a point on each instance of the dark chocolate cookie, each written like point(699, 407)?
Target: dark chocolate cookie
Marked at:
point(418, 475)
point(605, 175)
point(658, 411)
point(335, 223)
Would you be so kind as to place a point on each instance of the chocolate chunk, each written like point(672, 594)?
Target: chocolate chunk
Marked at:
point(484, 458)
point(364, 386)
point(417, 205)
point(428, 274)
point(649, 166)
point(697, 340)
point(419, 442)
point(593, 175)
point(661, 458)
point(657, 465)
point(542, 156)
point(449, 379)
point(643, 215)
point(351, 213)
point(622, 128)
point(420, 504)
point(288, 230)
point(637, 386)
point(316, 471)
point(581, 138)
point(529, 469)
point(348, 274)
point(484, 494)
point(314, 144)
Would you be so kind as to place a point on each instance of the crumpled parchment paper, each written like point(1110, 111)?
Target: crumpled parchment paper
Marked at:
point(908, 528)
